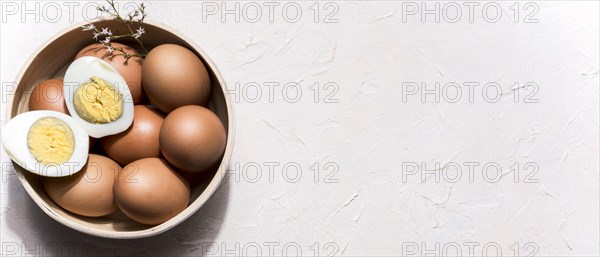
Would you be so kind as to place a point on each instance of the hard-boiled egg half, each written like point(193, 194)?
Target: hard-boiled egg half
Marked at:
point(48, 143)
point(98, 96)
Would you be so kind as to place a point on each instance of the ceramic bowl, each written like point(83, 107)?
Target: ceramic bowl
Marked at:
point(51, 61)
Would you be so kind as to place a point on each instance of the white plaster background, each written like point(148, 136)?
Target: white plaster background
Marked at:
point(371, 132)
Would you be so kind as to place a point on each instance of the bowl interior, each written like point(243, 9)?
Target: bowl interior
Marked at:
point(52, 62)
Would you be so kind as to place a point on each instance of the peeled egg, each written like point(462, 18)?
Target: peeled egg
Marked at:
point(130, 69)
point(48, 143)
point(98, 96)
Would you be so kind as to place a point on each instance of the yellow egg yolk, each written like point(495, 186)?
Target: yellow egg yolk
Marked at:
point(98, 102)
point(51, 141)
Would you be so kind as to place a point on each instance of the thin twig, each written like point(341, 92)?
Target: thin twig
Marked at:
point(137, 16)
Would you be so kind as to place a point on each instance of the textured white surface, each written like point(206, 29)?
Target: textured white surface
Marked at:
point(376, 207)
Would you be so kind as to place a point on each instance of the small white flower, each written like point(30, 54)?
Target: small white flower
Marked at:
point(109, 49)
point(89, 27)
point(139, 32)
point(96, 34)
point(106, 41)
point(106, 31)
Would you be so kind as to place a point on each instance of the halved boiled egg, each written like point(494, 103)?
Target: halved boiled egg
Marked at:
point(98, 96)
point(48, 143)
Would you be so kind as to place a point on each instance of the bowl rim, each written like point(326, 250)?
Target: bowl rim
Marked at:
point(194, 206)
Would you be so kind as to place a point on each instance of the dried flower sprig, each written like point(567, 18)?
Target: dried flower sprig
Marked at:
point(135, 17)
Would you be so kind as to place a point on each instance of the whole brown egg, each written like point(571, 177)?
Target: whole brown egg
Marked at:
point(174, 76)
point(149, 191)
point(139, 141)
point(89, 192)
point(192, 138)
point(48, 95)
point(130, 70)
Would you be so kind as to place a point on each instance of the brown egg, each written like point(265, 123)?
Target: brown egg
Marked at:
point(88, 192)
point(139, 141)
point(192, 138)
point(131, 71)
point(48, 95)
point(174, 76)
point(149, 191)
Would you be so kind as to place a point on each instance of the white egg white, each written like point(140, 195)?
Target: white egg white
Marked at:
point(14, 141)
point(79, 73)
